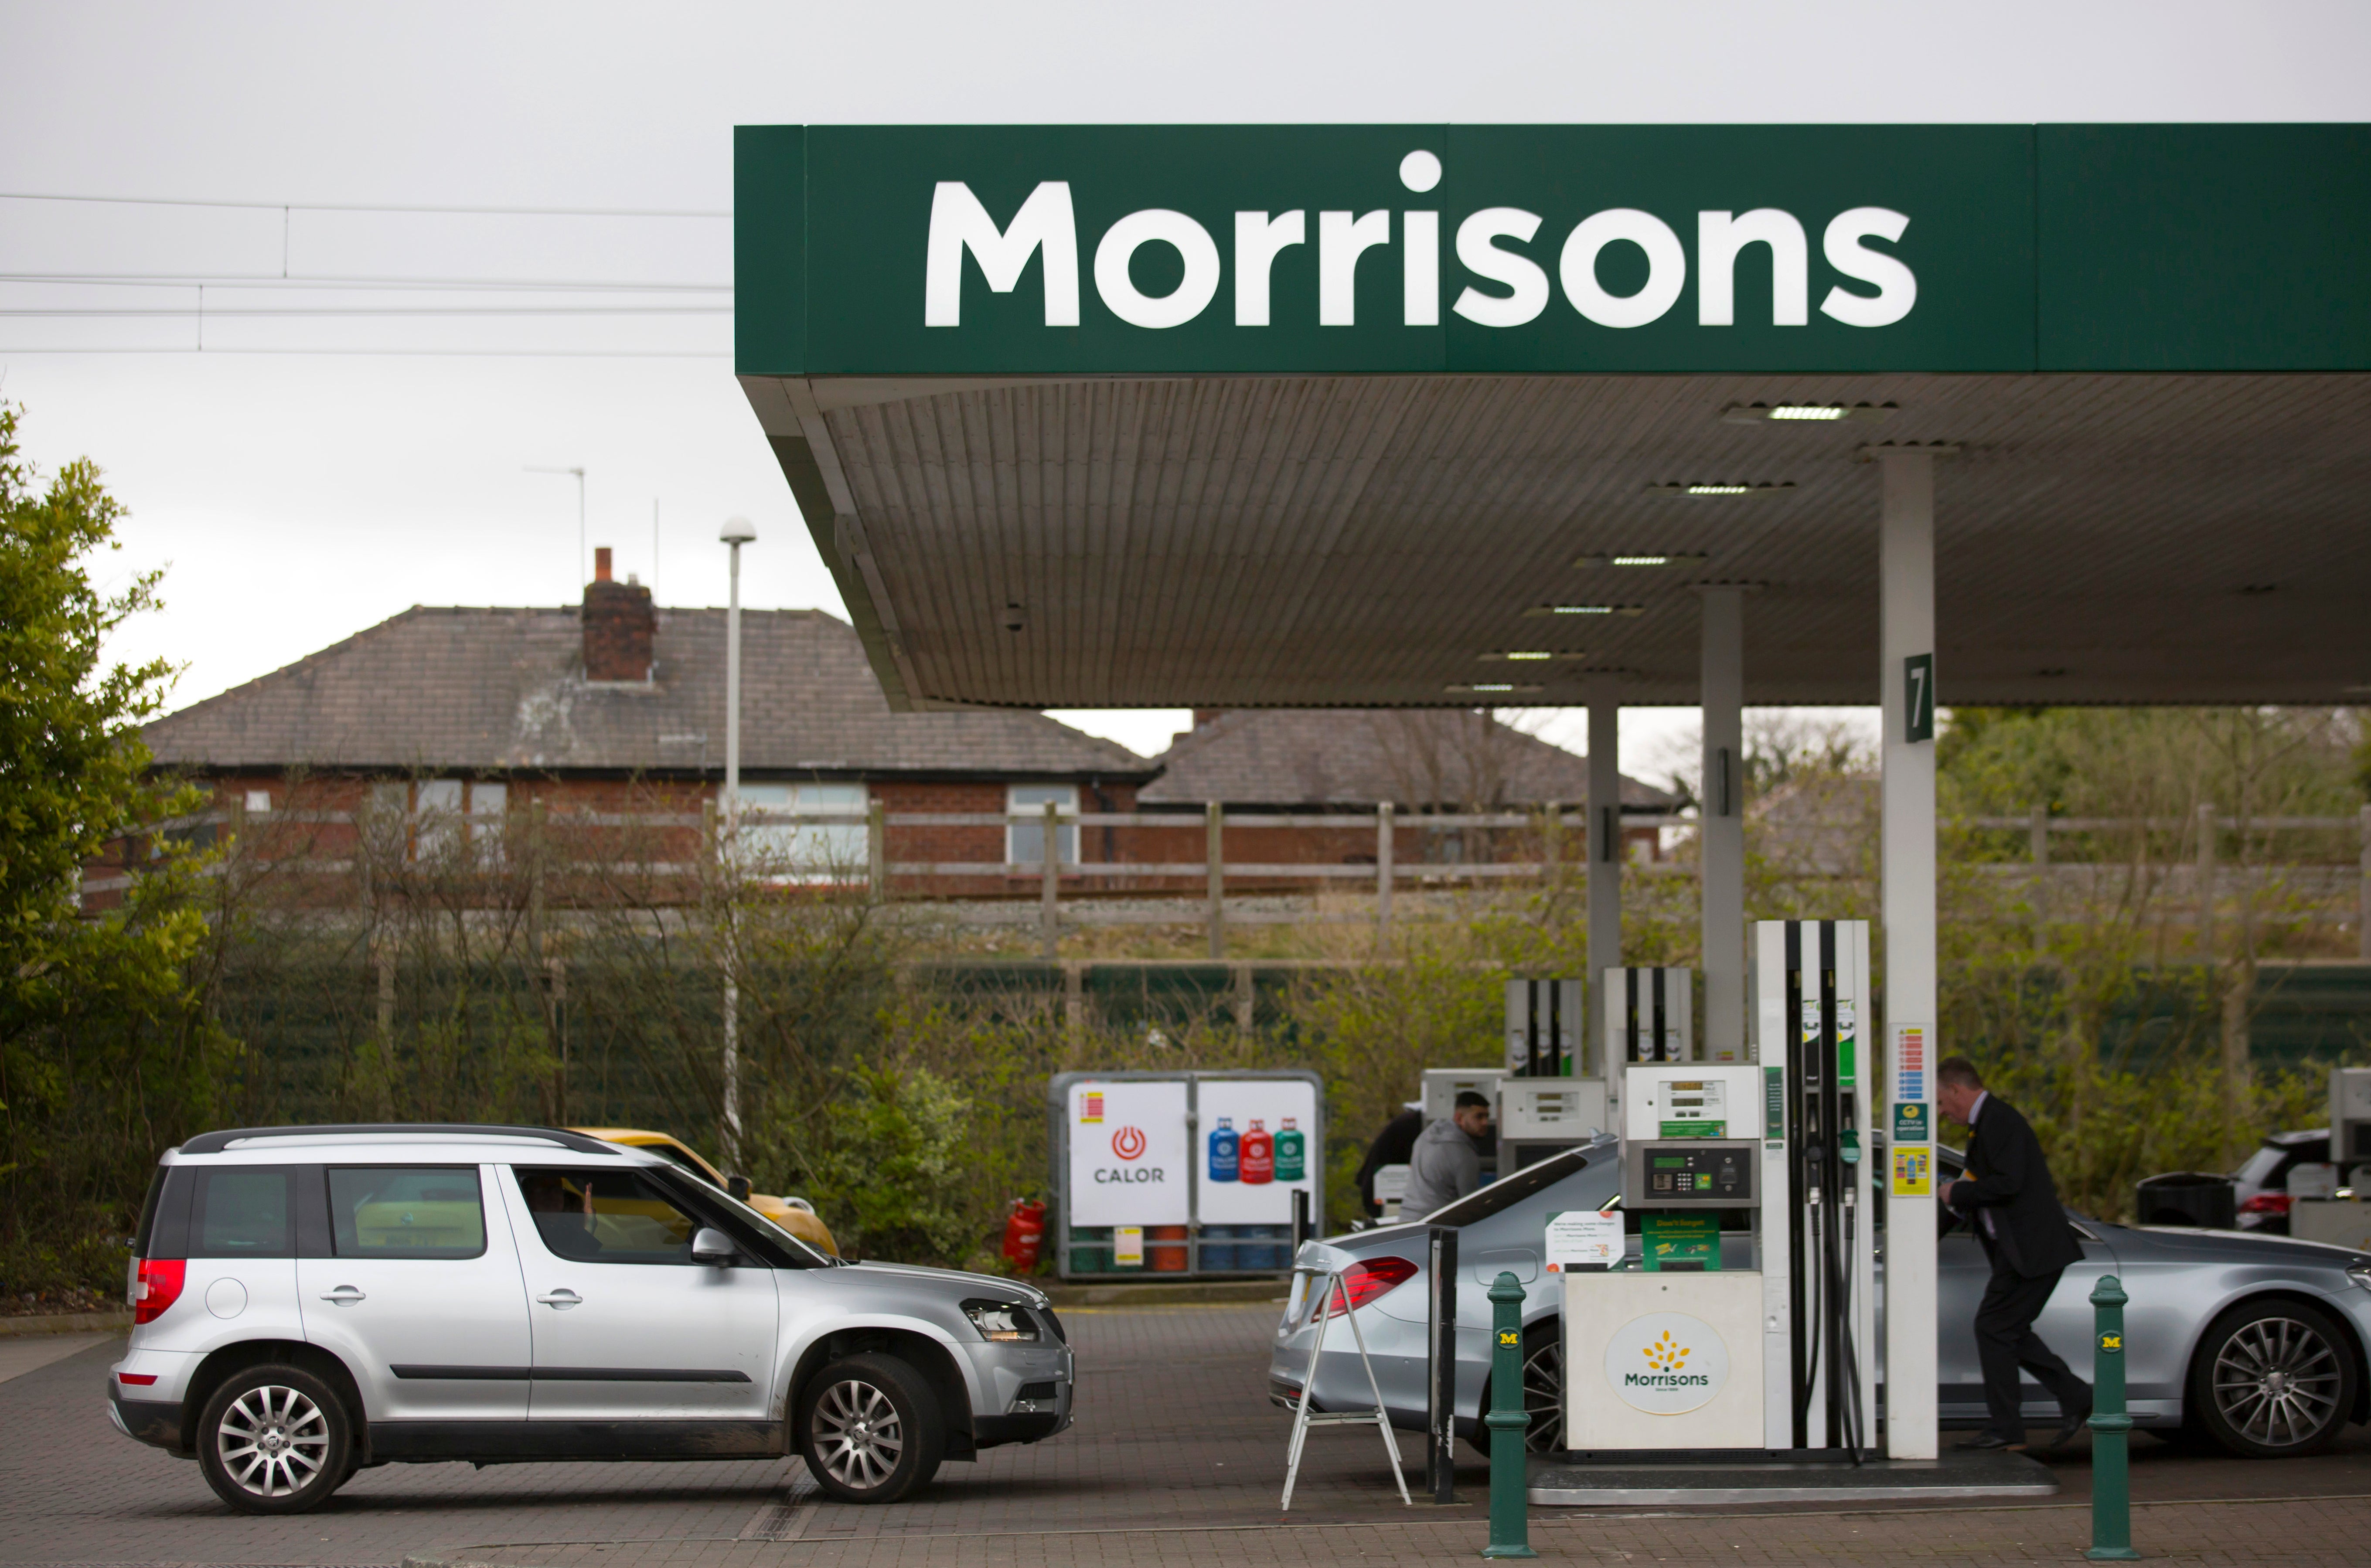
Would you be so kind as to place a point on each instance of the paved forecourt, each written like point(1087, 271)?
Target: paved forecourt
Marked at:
point(1178, 1456)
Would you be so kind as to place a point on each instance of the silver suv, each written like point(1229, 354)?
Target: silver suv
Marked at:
point(309, 1301)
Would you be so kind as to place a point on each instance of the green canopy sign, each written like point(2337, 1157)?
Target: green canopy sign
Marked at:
point(901, 250)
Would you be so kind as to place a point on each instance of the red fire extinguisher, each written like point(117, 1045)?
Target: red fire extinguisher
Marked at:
point(1025, 1233)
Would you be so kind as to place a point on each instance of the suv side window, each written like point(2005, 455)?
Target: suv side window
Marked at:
point(237, 1213)
point(606, 1216)
point(406, 1211)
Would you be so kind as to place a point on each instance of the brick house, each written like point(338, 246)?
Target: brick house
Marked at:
point(1328, 762)
point(450, 723)
point(617, 706)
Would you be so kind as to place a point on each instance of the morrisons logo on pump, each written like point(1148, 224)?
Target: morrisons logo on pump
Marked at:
point(1666, 1367)
point(1666, 1363)
point(1508, 265)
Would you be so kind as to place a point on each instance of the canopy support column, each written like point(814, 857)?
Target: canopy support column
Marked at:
point(1721, 817)
point(1604, 850)
point(1906, 849)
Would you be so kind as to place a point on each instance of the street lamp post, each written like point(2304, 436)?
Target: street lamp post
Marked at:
point(736, 532)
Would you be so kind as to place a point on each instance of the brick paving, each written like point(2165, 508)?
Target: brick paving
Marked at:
point(1176, 1457)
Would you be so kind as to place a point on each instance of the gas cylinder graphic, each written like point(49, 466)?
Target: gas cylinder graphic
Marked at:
point(1259, 1156)
point(1292, 1153)
point(1225, 1163)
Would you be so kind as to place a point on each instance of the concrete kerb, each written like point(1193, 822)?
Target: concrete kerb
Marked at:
point(1151, 1294)
point(64, 1324)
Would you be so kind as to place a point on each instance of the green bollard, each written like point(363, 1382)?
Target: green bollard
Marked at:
point(2111, 1480)
point(1510, 1485)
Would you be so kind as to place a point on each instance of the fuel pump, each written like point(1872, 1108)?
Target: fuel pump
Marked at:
point(1749, 1319)
point(1811, 1006)
point(1549, 1099)
point(1668, 1358)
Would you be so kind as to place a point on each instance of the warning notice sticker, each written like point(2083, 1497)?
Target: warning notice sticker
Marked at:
point(1913, 1173)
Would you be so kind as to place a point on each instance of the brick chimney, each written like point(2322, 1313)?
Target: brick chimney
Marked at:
point(619, 626)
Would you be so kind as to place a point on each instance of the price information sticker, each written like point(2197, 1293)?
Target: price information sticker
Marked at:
point(1583, 1239)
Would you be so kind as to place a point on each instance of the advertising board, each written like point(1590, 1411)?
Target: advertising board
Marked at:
point(1269, 1125)
point(1129, 1153)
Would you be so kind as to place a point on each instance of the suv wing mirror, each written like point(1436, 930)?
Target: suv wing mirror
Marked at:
point(712, 1246)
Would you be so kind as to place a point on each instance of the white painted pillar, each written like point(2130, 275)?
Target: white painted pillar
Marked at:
point(1604, 849)
point(1721, 825)
point(1907, 852)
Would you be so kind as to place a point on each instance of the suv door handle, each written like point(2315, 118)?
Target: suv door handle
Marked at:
point(563, 1299)
point(345, 1296)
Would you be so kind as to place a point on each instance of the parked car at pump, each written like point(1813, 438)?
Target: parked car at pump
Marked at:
point(2262, 1182)
point(312, 1301)
point(795, 1215)
point(2256, 1342)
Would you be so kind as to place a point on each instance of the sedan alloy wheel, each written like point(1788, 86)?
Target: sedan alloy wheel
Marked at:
point(2273, 1381)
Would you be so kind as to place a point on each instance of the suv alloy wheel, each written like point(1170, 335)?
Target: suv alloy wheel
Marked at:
point(870, 1429)
point(274, 1439)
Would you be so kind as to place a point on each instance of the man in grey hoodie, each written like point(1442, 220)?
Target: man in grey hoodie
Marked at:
point(1443, 1167)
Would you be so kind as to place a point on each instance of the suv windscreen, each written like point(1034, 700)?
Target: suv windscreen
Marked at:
point(407, 1211)
point(739, 1218)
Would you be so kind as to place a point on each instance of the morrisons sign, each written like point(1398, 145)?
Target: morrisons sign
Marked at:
point(1548, 250)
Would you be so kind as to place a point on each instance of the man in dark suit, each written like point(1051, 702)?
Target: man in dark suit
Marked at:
point(2008, 1197)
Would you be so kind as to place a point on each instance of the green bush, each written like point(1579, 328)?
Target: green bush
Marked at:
point(887, 1166)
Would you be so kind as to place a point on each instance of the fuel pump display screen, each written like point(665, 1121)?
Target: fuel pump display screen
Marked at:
point(1696, 1173)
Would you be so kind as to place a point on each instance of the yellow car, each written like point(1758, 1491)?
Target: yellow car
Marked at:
point(794, 1214)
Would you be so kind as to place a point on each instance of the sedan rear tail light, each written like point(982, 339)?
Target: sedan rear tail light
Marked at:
point(157, 1287)
point(1364, 1282)
point(2267, 1202)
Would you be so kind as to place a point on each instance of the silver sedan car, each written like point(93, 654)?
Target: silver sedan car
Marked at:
point(2257, 1343)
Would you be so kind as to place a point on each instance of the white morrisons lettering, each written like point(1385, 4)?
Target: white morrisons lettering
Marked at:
point(1513, 288)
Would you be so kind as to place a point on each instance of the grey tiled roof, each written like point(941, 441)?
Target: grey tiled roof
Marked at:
point(467, 689)
point(1359, 755)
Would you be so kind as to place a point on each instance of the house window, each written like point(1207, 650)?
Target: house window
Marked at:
point(816, 851)
point(440, 811)
point(1025, 841)
point(258, 799)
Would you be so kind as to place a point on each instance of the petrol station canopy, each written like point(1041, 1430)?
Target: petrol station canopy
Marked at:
point(1240, 415)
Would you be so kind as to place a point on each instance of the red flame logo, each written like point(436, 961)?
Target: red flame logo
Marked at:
point(1128, 1143)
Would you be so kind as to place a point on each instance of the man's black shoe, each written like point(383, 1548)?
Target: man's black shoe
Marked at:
point(2071, 1427)
point(1993, 1440)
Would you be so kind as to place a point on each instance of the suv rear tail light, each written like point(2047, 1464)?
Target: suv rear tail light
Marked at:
point(2267, 1202)
point(1364, 1282)
point(157, 1287)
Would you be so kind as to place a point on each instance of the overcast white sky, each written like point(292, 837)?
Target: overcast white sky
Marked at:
point(306, 490)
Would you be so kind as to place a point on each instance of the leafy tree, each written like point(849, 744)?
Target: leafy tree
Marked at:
point(102, 1057)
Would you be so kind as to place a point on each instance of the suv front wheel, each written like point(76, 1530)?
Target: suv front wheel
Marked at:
point(274, 1439)
point(870, 1429)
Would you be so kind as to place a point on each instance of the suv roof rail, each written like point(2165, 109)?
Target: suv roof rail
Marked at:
point(216, 1142)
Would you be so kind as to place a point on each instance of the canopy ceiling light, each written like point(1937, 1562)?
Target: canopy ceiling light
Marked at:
point(1720, 487)
point(1684, 562)
point(1586, 610)
point(1803, 413)
point(1488, 688)
point(1531, 655)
